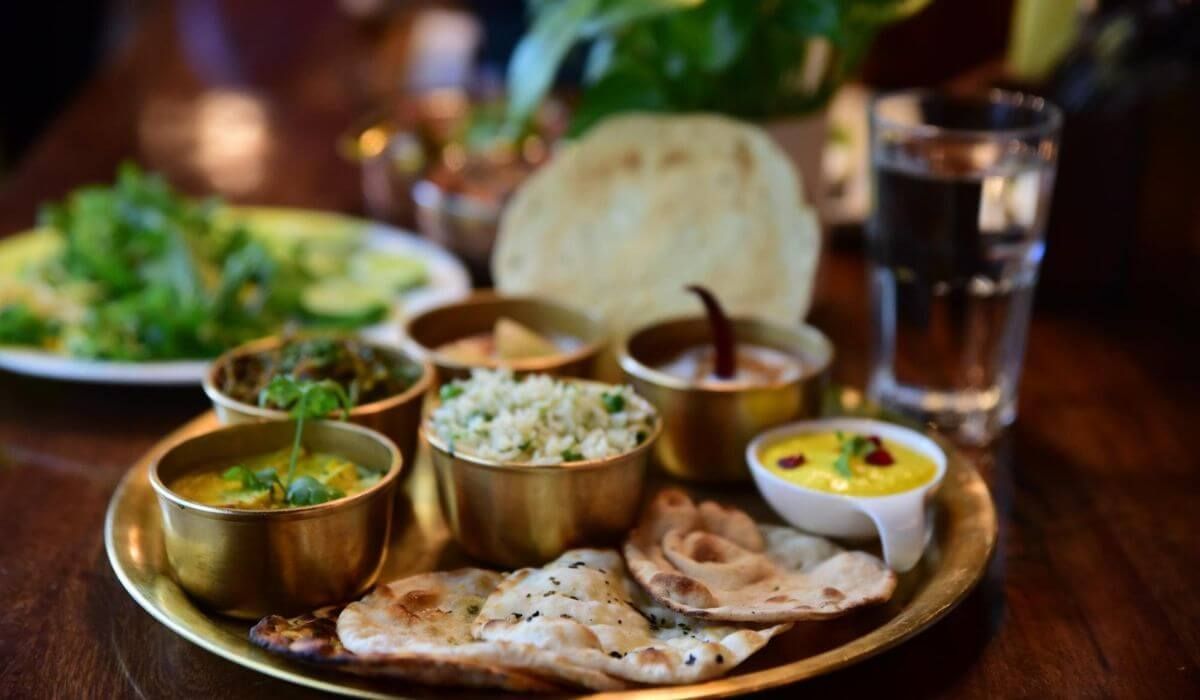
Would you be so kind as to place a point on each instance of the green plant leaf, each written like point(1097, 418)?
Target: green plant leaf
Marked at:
point(710, 36)
point(811, 17)
point(324, 398)
point(267, 475)
point(19, 325)
point(282, 392)
point(307, 491)
point(537, 57)
point(249, 480)
point(625, 89)
point(614, 15)
point(599, 59)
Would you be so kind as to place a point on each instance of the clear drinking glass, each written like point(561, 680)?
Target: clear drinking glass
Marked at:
point(961, 191)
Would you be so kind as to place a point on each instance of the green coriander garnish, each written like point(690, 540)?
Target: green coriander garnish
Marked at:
point(449, 391)
point(613, 403)
point(571, 455)
point(848, 448)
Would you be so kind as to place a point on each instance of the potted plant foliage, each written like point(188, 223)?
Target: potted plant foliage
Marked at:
point(775, 62)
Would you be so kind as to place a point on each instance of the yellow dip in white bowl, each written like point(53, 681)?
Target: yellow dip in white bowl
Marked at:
point(851, 478)
point(810, 460)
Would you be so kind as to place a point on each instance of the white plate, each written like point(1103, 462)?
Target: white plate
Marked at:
point(448, 279)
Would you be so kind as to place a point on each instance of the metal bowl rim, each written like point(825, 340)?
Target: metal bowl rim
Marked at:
point(299, 512)
point(528, 467)
point(639, 370)
point(589, 348)
point(223, 400)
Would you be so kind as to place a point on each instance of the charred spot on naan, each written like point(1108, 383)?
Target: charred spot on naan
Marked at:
point(311, 637)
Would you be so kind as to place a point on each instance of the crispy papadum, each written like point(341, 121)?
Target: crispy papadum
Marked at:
point(716, 563)
point(430, 616)
point(620, 221)
point(313, 639)
point(585, 609)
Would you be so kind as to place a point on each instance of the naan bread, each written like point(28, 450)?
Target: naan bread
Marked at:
point(430, 616)
point(313, 639)
point(716, 563)
point(619, 222)
point(584, 608)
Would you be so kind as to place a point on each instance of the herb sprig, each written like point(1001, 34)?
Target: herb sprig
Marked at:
point(304, 399)
point(848, 448)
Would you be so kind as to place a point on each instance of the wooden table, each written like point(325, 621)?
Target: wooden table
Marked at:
point(1095, 589)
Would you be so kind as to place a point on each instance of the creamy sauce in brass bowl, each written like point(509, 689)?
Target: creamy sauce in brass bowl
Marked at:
point(258, 482)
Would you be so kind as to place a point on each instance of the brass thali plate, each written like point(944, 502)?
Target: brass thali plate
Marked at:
point(964, 536)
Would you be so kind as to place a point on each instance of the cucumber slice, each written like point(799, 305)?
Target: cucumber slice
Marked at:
point(343, 301)
point(322, 263)
point(391, 272)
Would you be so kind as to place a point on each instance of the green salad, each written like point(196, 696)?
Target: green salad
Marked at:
point(136, 272)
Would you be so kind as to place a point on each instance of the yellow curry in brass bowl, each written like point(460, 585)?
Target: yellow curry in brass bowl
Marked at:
point(848, 464)
point(258, 482)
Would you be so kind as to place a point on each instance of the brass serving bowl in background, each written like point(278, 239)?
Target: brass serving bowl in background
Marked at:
point(398, 416)
point(249, 563)
point(515, 515)
point(425, 333)
point(706, 427)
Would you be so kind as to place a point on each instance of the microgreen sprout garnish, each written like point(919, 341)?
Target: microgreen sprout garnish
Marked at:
point(307, 491)
point(259, 480)
point(305, 399)
point(723, 339)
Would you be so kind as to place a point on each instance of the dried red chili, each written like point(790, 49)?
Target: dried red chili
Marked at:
point(723, 340)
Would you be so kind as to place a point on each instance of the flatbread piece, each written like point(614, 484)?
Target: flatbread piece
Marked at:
point(716, 563)
point(313, 639)
point(620, 221)
point(585, 609)
point(430, 616)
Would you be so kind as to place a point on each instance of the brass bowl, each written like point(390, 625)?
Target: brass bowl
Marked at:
point(425, 332)
point(514, 515)
point(398, 416)
point(707, 426)
point(249, 563)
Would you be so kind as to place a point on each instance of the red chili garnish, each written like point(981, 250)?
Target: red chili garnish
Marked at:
point(791, 461)
point(723, 340)
point(874, 439)
point(879, 457)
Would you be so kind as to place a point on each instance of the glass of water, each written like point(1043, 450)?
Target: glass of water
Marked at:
point(961, 190)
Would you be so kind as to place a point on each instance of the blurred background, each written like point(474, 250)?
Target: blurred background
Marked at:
point(403, 102)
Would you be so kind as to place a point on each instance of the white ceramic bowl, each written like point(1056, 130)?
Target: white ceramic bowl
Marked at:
point(898, 520)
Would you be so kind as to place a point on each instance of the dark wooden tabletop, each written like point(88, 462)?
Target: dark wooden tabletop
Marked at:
point(1095, 589)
